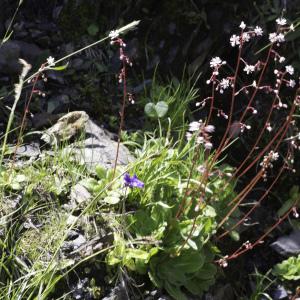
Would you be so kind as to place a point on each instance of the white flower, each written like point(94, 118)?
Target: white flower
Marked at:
point(289, 69)
point(51, 61)
point(201, 169)
point(249, 69)
point(291, 83)
point(200, 140)
point(258, 31)
point(254, 84)
point(274, 155)
point(281, 59)
point(208, 145)
point(234, 40)
point(224, 83)
point(113, 34)
point(292, 27)
point(246, 37)
point(194, 126)
point(188, 136)
point(280, 38)
point(216, 62)
point(281, 21)
point(209, 128)
point(273, 37)
point(243, 25)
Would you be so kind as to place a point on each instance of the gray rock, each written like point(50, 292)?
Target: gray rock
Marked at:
point(99, 149)
point(9, 54)
point(11, 51)
point(96, 146)
point(56, 103)
point(69, 246)
point(280, 293)
point(79, 194)
point(288, 245)
point(29, 150)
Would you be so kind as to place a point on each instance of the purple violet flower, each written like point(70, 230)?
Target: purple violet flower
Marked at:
point(133, 181)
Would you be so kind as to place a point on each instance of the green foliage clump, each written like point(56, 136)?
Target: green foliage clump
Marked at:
point(288, 269)
point(161, 230)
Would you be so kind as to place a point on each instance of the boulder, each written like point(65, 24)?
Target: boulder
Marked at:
point(95, 145)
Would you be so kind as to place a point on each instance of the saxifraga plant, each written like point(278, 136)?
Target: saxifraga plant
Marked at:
point(168, 235)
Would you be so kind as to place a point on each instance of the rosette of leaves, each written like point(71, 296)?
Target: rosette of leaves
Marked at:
point(175, 251)
point(288, 269)
point(166, 250)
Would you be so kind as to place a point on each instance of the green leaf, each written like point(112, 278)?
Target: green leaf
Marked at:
point(288, 269)
point(286, 206)
point(209, 211)
point(157, 110)
point(234, 235)
point(150, 110)
point(208, 271)
point(100, 171)
point(161, 108)
point(137, 253)
point(111, 200)
point(193, 286)
point(175, 291)
point(89, 183)
point(60, 68)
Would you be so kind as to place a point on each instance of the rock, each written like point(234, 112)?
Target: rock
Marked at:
point(57, 104)
point(29, 150)
point(96, 148)
point(43, 119)
point(99, 149)
point(66, 127)
point(79, 194)
point(288, 245)
point(280, 293)
point(11, 51)
point(70, 246)
point(117, 293)
point(9, 55)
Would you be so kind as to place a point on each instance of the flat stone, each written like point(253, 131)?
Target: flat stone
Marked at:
point(288, 245)
point(95, 148)
point(99, 149)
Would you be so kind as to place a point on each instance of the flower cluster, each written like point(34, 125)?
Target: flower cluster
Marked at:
point(245, 36)
point(115, 39)
point(202, 133)
point(267, 162)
